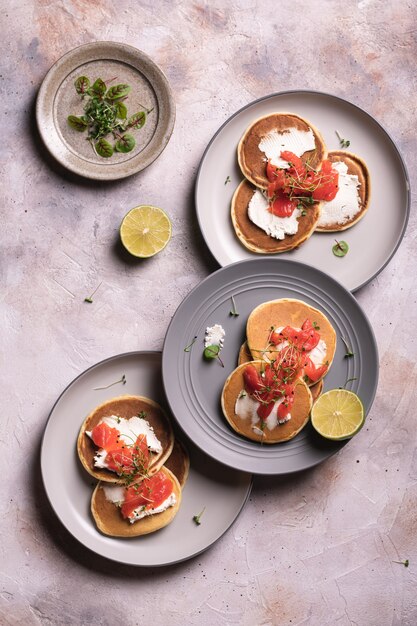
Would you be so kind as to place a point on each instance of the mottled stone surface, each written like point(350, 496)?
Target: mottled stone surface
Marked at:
point(316, 548)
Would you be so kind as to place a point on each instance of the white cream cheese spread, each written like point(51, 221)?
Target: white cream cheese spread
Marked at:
point(274, 226)
point(346, 204)
point(115, 494)
point(214, 336)
point(293, 140)
point(129, 430)
point(246, 408)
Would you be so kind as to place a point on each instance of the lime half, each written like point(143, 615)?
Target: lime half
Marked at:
point(338, 414)
point(145, 230)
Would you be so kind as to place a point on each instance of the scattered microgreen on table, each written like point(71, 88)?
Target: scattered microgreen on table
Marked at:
point(105, 114)
point(90, 298)
point(228, 180)
point(406, 563)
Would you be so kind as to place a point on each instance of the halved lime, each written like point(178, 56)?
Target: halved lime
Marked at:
point(338, 414)
point(145, 230)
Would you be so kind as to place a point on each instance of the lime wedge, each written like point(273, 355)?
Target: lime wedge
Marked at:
point(145, 230)
point(338, 414)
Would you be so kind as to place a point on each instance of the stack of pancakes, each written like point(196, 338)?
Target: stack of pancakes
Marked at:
point(276, 313)
point(173, 461)
point(252, 162)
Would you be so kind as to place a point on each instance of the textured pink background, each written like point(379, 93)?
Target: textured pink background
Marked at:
point(317, 548)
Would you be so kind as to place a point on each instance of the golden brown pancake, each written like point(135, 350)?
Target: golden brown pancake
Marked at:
point(356, 166)
point(178, 462)
point(252, 160)
point(245, 356)
point(256, 239)
point(125, 407)
point(300, 410)
point(286, 311)
point(109, 519)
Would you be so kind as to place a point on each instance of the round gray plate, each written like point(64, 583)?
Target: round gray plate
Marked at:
point(372, 241)
point(193, 386)
point(223, 492)
point(57, 99)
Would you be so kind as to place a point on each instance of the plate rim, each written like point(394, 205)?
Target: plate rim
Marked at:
point(335, 97)
point(143, 353)
point(349, 295)
point(114, 174)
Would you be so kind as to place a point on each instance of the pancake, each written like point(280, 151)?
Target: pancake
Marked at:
point(252, 160)
point(256, 239)
point(246, 357)
point(110, 522)
point(286, 311)
point(300, 410)
point(125, 407)
point(178, 462)
point(356, 166)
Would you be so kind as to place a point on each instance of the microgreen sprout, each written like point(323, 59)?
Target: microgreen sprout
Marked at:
point(228, 180)
point(340, 248)
point(188, 348)
point(105, 113)
point(197, 518)
point(116, 382)
point(349, 380)
point(344, 143)
point(349, 352)
point(90, 298)
point(233, 311)
point(212, 352)
point(406, 563)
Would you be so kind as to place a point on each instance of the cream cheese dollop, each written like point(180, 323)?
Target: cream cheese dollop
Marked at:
point(294, 140)
point(115, 494)
point(274, 226)
point(346, 204)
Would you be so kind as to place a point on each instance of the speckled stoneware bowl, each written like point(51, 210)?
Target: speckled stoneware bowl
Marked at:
point(58, 98)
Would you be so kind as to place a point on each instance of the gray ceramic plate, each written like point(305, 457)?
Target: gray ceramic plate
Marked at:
point(193, 386)
point(223, 492)
point(57, 99)
point(372, 241)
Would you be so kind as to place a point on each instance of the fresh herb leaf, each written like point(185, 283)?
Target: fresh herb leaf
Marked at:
point(116, 382)
point(77, 123)
point(406, 563)
point(303, 213)
point(349, 352)
point(344, 143)
point(188, 348)
point(137, 120)
point(126, 143)
point(228, 180)
point(243, 394)
point(340, 248)
point(233, 312)
point(118, 91)
point(104, 148)
point(197, 518)
point(98, 88)
point(212, 352)
point(121, 110)
point(82, 84)
point(90, 298)
point(316, 326)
